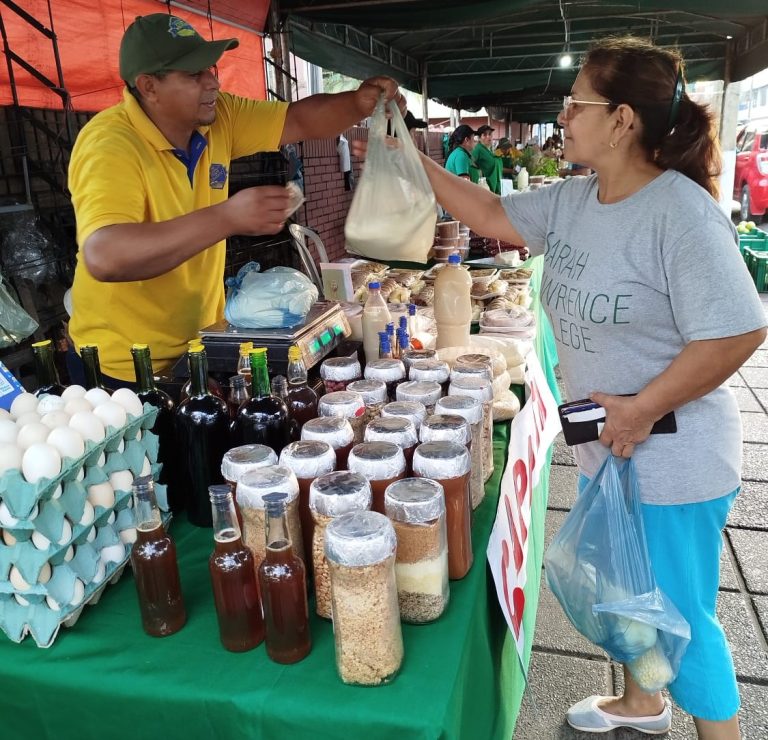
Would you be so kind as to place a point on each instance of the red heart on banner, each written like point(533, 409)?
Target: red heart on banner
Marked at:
point(518, 600)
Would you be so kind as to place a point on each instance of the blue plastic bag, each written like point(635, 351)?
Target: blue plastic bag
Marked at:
point(278, 298)
point(599, 569)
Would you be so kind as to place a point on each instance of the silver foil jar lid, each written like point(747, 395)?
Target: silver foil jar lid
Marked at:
point(241, 459)
point(414, 500)
point(309, 458)
point(467, 406)
point(385, 370)
point(423, 391)
point(360, 538)
point(340, 492)
point(340, 368)
point(377, 460)
point(335, 430)
point(450, 427)
point(255, 484)
point(346, 404)
point(395, 429)
point(441, 460)
point(413, 410)
point(372, 391)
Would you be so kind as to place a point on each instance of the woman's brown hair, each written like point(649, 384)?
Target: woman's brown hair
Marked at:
point(677, 133)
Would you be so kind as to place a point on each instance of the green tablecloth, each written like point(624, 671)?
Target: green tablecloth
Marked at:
point(461, 677)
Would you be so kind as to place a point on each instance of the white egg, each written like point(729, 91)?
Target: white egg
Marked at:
point(88, 514)
point(113, 553)
point(68, 441)
point(73, 391)
point(40, 460)
point(121, 480)
point(23, 403)
point(31, 417)
point(32, 434)
point(57, 492)
point(66, 532)
point(91, 536)
point(88, 425)
point(111, 518)
point(129, 401)
point(50, 403)
point(55, 419)
point(6, 519)
point(10, 457)
point(146, 468)
point(101, 571)
point(77, 404)
point(20, 600)
point(79, 593)
point(80, 475)
point(111, 414)
point(18, 582)
point(120, 446)
point(96, 396)
point(69, 554)
point(8, 538)
point(5, 414)
point(128, 536)
point(101, 461)
point(53, 605)
point(45, 573)
point(8, 431)
point(101, 494)
point(40, 541)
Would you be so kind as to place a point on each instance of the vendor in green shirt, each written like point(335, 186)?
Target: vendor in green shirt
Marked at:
point(506, 154)
point(489, 166)
point(459, 160)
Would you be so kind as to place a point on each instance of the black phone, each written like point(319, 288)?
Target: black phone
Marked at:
point(582, 421)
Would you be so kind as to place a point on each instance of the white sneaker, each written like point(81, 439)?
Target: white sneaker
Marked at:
point(587, 716)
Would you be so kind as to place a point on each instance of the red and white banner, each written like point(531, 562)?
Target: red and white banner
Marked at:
point(532, 432)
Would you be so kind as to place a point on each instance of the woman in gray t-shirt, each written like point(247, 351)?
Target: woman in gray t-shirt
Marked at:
point(647, 295)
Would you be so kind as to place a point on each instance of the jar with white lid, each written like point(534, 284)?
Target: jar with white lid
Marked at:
point(413, 410)
point(396, 429)
point(416, 507)
point(251, 489)
point(336, 431)
point(389, 371)
point(473, 365)
point(330, 496)
point(308, 459)
point(449, 464)
point(374, 393)
point(481, 389)
point(432, 369)
point(338, 372)
point(410, 356)
point(360, 548)
point(381, 463)
point(422, 391)
point(348, 405)
point(240, 460)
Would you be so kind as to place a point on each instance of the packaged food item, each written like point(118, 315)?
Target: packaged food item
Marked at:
point(330, 496)
point(449, 464)
point(360, 549)
point(374, 393)
point(482, 390)
point(396, 429)
point(389, 371)
point(338, 372)
point(347, 405)
point(336, 431)
point(308, 459)
point(413, 410)
point(251, 489)
point(416, 507)
point(381, 463)
point(422, 391)
point(471, 410)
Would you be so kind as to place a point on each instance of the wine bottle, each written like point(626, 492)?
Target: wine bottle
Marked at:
point(45, 369)
point(89, 353)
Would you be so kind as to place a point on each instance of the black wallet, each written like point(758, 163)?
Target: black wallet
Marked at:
point(582, 421)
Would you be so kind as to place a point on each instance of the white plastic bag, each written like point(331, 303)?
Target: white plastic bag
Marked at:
point(15, 322)
point(393, 211)
point(277, 298)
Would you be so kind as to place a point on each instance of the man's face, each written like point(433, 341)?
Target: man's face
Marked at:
point(188, 98)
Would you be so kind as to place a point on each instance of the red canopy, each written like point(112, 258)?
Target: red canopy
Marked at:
point(89, 33)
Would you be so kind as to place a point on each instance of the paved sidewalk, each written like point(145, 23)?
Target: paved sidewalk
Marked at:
point(565, 667)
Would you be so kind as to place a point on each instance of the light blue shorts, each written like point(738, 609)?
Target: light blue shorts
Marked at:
point(684, 543)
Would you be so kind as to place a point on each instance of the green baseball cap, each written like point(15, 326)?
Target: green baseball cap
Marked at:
point(161, 43)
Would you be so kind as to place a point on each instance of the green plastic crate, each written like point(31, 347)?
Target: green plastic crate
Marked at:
point(757, 264)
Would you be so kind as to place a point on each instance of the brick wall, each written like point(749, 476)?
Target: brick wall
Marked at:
point(327, 203)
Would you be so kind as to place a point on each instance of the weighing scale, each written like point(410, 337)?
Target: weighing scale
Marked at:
point(323, 331)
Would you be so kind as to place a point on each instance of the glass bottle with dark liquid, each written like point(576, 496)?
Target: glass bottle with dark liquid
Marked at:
point(155, 570)
point(148, 392)
point(302, 400)
point(283, 581)
point(45, 369)
point(202, 438)
point(213, 385)
point(89, 353)
point(263, 419)
point(233, 578)
point(238, 394)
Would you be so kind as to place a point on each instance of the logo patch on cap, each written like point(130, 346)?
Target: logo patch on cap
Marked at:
point(178, 27)
point(217, 176)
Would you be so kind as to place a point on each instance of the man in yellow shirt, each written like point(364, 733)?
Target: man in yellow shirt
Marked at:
point(149, 179)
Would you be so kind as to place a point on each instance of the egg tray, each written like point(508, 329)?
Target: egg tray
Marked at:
point(41, 508)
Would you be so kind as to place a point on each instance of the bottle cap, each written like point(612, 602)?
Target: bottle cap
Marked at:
point(411, 309)
point(245, 347)
point(403, 322)
point(374, 286)
point(44, 343)
point(454, 259)
point(135, 346)
point(275, 503)
point(219, 494)
point(294, 352)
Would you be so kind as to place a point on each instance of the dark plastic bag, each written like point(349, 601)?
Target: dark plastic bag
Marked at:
point(599, 569)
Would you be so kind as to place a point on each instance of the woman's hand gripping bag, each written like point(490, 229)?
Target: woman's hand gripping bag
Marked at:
point(599, 569)
point(393, 212)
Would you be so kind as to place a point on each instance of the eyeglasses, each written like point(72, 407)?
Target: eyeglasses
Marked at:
point(569, 100)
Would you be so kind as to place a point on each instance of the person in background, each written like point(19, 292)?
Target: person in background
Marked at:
point(459, 161)
point(149, 179)
point(632, 246)
point(482, 156)
point(506, 154)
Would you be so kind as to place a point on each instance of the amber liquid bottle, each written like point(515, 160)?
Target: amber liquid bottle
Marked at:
point(283, 581)
point(45, 369)
point(148, 392)
point(89, 353)
point(238, 394)
point(202, 438)
point(233, 578)
point(263, 419)
point(302, 400)
point(155, 570)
